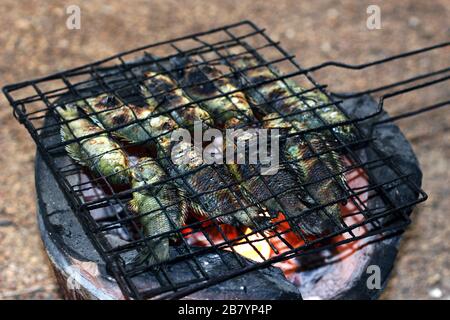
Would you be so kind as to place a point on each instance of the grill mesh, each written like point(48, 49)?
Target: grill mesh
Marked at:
point(34, 104)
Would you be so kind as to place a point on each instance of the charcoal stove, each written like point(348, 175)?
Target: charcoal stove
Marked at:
point(68, 245)
point(96, 248)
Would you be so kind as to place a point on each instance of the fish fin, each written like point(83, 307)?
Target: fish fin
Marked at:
point(152, 103)
point(145, 93)
point(73, 149)
point(155, 252)
point(121, 136)
point(133, 205)
point(185, 204)
point(68, 112)
point(197, 209)
point(93, 117)
point(74, 152)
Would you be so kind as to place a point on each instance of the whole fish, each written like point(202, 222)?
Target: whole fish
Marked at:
point(182, 159)
point(161, 205)
point(99, 153)
point(317, 167)
point(127, 121)
point(162, 91)
point(279, 191)
point(279, 96)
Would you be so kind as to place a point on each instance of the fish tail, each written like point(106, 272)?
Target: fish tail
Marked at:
point(69, 112)
point(144, 91)
point(155, 252)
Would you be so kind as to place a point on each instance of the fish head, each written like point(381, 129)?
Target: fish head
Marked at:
point(321, 221)
point(103, 102)
point(147, 170)
point(300, 212)
point(114, 165)
point(200, 85)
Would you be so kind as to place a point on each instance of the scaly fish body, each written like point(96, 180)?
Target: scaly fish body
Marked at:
point(162, 91)
point(302, 152)
point(99, 153)
point(319, 170)
point(161, 205)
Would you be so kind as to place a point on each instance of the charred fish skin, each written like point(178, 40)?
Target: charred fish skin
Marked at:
point(162, 205)
point(159, 89)
point(220, 98)
point(308, 155)
point(99, 152)
point(216, 192)
point(277, 96)
point(132, 123)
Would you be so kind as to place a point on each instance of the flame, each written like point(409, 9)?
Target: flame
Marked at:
point(249, 244)
point(253, 247)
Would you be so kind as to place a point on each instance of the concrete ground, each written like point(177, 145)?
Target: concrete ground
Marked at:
point(35, 41)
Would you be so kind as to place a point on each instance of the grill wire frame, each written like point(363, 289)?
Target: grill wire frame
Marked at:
point(390, 219)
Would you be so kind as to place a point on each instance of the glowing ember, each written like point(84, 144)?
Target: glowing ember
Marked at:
point(255, 247)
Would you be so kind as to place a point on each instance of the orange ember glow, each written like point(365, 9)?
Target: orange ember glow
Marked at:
point(260, 247)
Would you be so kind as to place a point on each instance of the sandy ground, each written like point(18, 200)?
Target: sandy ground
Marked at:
point(35, 41)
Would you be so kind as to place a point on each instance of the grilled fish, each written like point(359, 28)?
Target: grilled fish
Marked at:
point(277, 96)
point(99, 153)
point(229, 205)
point(162, 91)
point(307, 155)
point(162, 206)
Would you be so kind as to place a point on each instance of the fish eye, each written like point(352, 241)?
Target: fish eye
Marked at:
point(117, 169)
point(109, 100)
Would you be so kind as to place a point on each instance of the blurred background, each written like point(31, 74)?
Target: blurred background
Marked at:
point(35, 41)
